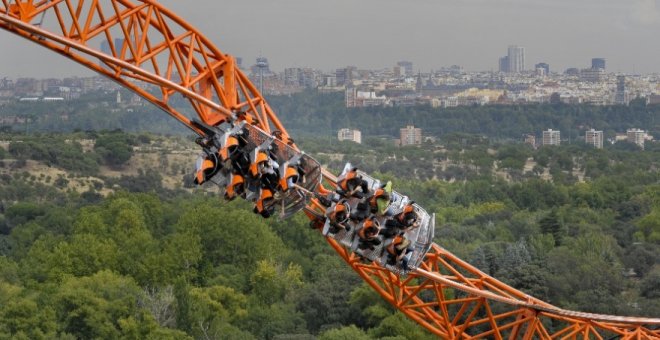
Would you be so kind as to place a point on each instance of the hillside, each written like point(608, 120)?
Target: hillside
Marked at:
point(102, 237)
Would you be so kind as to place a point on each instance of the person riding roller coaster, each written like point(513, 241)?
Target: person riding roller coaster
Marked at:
point(380, 200)
point(264, 204)
point(368, 234)
point(338, 216)
point(399, 252)
point(291, 173)
point(235, 186)
point(351, 184)
point(207, 166)
point(402, 222)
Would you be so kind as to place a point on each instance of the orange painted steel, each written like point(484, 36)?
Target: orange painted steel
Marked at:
point(159, 56)
point(149, 48)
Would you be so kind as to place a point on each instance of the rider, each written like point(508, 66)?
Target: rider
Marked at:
point(338, 216)
point(380, 200)
point(263, 205)
point(351, 184)
point(399, 251)
point(235, 186)
point(402, 222)
point(368, 234)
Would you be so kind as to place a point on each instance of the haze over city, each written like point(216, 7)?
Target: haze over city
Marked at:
point(376, 34)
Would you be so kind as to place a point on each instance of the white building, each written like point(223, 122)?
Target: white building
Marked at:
point(355, 98)
point(595, 138)
point(350, 135)
point(636, 136)
point(551, 137)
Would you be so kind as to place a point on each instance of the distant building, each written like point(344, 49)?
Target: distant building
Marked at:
point(504, 64)
point(621, 97)
point(406, 67)
point(516, 59)
point(595, 138)
point(346, 75)
point(350, 135)
point(572, 71)
point(551, 137)
point(543, 66)
point(118, 44)
point(593, 75)
point(598, 64)
point(653, 99)
point(529, 139)
point(636, 136)
point(410, 135)
point(292, 76)
point(355, 98)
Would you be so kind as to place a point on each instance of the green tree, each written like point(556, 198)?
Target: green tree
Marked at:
point(550, 225)
point(345, 333)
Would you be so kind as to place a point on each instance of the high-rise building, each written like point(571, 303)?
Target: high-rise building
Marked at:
point(595, 138)
point(621, 97)
point(598, 63)
point(551, 137)
point(293, 76)
point(406, 67)
point(345, 75)
point(410, 135)
point(350, 135)
point(504, 64)
point(516, 59)
point(636, 136)
point(544, 66)
point(593, 75)
point(118, 45)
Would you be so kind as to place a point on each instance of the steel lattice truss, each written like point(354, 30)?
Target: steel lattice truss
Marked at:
point(148, 45)
point(152, 48)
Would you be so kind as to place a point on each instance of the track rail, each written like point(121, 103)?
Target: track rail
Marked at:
point(152, 48)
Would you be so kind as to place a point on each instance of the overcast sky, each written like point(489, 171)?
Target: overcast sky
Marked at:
point(377, 33)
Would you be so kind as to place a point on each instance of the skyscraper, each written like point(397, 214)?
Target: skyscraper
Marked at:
point(516, 59)
point(595, 138)
point(598, 63)
point(621, 96)
point(504, 64)
point(118, 45)
point(407, 67)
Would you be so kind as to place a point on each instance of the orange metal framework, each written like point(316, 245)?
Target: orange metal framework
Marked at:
point(158, 50)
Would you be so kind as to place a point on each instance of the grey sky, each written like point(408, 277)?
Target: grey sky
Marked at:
point(377, 33)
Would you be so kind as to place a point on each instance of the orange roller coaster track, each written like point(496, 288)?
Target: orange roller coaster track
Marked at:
point(149, 47)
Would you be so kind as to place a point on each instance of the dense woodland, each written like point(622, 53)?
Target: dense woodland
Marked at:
point(148, 262)
point(129, 258)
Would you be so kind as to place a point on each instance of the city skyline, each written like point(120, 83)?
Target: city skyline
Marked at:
point(470, 33)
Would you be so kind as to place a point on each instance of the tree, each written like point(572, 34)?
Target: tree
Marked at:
point(116, 148)
point(100, 306)
point(550, 225)
point(345, 333)
point(650, 286)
